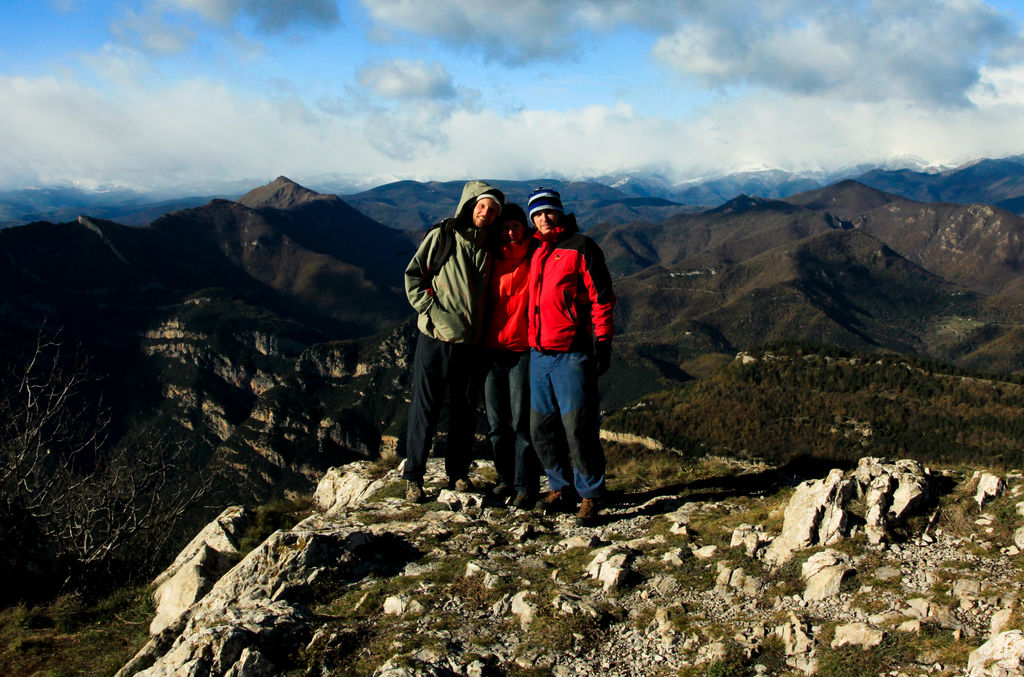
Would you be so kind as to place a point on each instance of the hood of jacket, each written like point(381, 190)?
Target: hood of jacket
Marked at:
point(474, 189)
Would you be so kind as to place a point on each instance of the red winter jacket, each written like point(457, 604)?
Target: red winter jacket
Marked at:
point(507, 298)
point(571, 297)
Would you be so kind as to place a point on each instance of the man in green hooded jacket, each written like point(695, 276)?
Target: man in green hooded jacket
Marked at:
point(446, 283)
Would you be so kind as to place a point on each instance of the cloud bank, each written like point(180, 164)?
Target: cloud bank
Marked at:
point(429, 91)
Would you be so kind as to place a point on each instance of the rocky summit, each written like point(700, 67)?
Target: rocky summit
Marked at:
point(888, 568)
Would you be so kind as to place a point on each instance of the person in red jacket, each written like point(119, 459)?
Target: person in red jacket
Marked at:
point(570, 333)
point(507, 356)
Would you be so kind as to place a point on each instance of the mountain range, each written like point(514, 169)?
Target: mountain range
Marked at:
point(413, 205)
point(272, 331)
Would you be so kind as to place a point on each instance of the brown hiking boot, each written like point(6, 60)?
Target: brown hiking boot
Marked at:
point(524, 501)
point(414, 492)
point(587, 516)
point(556, 501)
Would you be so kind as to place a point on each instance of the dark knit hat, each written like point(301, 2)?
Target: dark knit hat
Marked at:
point(543, 199)
point(513, 212)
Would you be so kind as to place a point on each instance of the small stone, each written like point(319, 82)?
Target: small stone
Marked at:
point(857, 634)
point(707, 552)
point(989, 487)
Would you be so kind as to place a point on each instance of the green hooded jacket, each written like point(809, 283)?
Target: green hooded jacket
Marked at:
point(450, 301)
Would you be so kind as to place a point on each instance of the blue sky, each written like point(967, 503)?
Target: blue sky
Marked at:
point(158, 94)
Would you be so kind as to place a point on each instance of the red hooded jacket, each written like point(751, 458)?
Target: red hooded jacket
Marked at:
point(571, 297)
point(507, 298)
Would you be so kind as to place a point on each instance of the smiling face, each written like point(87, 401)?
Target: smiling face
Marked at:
point(513, 232)
point(485, 212)
point(546, 220)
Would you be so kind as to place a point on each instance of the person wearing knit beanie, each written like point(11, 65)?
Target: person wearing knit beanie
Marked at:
point(570, 333)
point(544, 199)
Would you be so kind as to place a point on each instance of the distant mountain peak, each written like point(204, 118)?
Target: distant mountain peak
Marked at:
point(746, 203)
point(845, 195)
point(281, 193)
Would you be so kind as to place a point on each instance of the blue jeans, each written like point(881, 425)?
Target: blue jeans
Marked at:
point(507, 399)
point(565, 420)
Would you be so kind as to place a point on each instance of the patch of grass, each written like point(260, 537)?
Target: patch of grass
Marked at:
point(734, 664)
point(380, 468)
point(635, 468)
point(389, 490)
point(555, 632)
point(71, 637)
point(897, 649)
point(471, 592)
point(277, 515)
point(787, 580)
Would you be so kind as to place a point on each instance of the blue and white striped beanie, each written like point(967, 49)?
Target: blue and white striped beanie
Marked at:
point(544, 198)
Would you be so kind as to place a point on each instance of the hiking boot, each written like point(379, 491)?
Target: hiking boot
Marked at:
point(502, 491)
point(556, 501)
point(462, 484)
point(414, 492)
point(587, 516)
point(523, 501)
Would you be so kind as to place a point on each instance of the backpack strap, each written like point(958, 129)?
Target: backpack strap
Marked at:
point(445, 245)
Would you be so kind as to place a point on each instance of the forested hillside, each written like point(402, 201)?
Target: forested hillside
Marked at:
point(792, 402)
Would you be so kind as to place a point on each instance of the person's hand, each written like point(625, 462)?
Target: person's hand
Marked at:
point(603, 356)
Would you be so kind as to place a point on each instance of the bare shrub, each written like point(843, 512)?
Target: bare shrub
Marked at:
point(76, 511)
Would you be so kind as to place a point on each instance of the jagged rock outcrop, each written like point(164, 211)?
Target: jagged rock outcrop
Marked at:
point(197, 567)
point(466, 585)
point(820, 512)
point(823, 573)
point(816, 514)
point(1001, 656)
point(340, 489)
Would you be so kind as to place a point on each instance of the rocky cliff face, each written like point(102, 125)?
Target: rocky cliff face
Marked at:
point(892, 568)
point(275, 411)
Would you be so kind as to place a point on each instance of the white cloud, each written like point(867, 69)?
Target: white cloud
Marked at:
point(59, 130)
point(863, 51)
point(406, 79)
point(515, 32)
point(150, 33)
point(924, 52)
point(1000, 87)
point(272, 16)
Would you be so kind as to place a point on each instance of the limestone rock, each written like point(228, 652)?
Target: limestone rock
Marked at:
point(251, 607)
point(1000, 620)
point(523, 608)
point(705, 552)
point(197, 567)
point(893, 491)
point(814, 515)
point(751, 537)
point(912, 488)
point(221, 535)
point(858, 634)
point(400, 605)
point(610, 565)
point(1001, 656)
point(989, 486)
point(184, 589)
point(345, 487)
point(823, 573)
